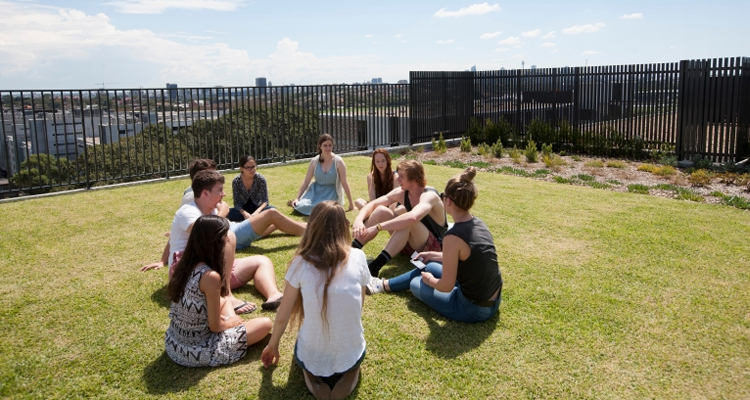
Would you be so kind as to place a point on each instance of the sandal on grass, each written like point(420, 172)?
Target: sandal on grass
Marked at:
point(252, 307)
point(271, 305)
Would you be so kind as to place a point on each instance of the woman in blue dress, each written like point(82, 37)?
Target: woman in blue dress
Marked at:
point(330, 182)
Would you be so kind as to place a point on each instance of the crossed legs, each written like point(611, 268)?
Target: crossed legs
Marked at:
point(269, 220)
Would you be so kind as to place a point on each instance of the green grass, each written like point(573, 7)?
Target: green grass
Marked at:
point(607, 296)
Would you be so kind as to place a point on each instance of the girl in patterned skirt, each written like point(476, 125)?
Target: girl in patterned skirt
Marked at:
point(204, 329)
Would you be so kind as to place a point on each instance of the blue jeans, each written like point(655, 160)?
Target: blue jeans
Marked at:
point(453, 305)
point(244, 232)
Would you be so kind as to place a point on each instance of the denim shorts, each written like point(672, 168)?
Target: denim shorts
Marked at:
point(244, 232)
point(356, 364)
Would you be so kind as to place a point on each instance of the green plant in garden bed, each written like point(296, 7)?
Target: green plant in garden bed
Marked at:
point(497, 149)
point(455, 164)
point(700, 177)
point(616, 164)
point(638, 188)
point(688, 194)
point(585, 177)
point(541, 173)
point(614, 182)
point(598, 185)
point(554, 162)
point(665, 186)
point(594, 164)
point(429, 162)
point(485, 150)
point(515, 155)
point(513, 171)
point(439, 146)
point(531, 152)
point(480, 164)
point(465, 145)
point(563, 180)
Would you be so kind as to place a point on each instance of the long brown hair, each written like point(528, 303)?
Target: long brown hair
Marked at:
point(382, 187)
point(205, 246)
point(322, 139)
point(325, 245)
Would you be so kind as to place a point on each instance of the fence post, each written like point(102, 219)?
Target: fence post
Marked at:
point(681, 111)
point(744, 111)
point(576, 98)
point(519, 111)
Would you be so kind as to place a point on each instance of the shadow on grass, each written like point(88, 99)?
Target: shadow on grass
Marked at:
point(164, 376)
point(448, 338)
point(160, 297)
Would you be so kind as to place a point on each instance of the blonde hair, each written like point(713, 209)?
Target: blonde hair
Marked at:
point(461, 189)
point(325, 245)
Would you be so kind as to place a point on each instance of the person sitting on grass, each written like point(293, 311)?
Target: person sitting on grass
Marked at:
point(380, 180)
point(208, 188)
point(324, 292)
point(420, 228)
point(463, 282)
point(204, 329)
point(249, 191)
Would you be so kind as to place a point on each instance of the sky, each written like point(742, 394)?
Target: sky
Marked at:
point(74, 44)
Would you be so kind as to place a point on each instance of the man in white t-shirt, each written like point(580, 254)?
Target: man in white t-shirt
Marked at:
point(208, 189)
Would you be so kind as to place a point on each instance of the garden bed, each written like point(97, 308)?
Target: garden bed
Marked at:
point(605, 173)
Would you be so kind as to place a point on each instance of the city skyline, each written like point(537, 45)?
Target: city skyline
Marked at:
point(201, 43)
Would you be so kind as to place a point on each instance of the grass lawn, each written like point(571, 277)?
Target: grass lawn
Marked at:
point(607, 296)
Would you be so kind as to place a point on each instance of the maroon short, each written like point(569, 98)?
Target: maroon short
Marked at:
point(433, 244)
point(234, 283)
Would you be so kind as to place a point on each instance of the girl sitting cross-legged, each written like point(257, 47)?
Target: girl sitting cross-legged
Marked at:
point(204, 329)
point(324, 291)
point(462, 282)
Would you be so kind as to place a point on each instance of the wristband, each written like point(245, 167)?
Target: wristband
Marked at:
point(380, 228)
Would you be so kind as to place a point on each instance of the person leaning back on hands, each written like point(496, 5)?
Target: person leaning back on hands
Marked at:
point(420, 226)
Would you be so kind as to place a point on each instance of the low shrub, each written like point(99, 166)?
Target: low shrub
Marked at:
point(614, 182)
point(585, 178)
point(665, 170)
point(638, 188)
point(531, 152)
point(599, 185)
point(575, 158)
point(594, 164)
point(546, 150)
point(513, 171)
point(615, 164)
point(480, 164)
point(465, 145)
point(665, 186)
point(485, 150)
point(455, 164)
point(688, 194)
point(541, 173)
point(429, 162)
point(439, 146)
point(497, 149)
point(650, 168)
point(554, 162)
point(515, 154)
point(700, 178)
point(563, 180)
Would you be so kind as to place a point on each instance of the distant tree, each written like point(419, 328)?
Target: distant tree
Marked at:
point(41, 172)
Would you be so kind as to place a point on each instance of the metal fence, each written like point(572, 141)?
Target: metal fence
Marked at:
point(65, 139)
point(698, 106)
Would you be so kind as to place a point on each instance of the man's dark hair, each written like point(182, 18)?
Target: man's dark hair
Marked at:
point(205, 180)
point(200, 164)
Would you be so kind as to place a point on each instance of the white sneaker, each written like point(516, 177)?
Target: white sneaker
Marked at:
point(375, 286)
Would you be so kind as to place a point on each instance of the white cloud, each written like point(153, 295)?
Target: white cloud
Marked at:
point(588, 28)
point(632, 16)
point(399, 35)
point(159, 6)
point(445, 41)
point(554, 51)
point(490, 35)
point(591, 52)
point(474, 9)
point(513, 40)
point(550, 35)
point(531, 34)
point(501, 49)
point(369, 35)
point(548, 44)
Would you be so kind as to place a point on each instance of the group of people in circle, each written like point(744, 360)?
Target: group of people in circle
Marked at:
point(456, 273)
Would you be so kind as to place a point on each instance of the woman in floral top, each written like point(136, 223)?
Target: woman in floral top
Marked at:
point(250, 191)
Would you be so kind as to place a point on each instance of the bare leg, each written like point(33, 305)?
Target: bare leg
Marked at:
point(416, 235)
point(359, 203)
point(228, 264)
point(316, 386)
point(381, 214)
point(345, 385)
point(261, 222)
point(260, 269)
point(256, 328)
point(269, 230)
